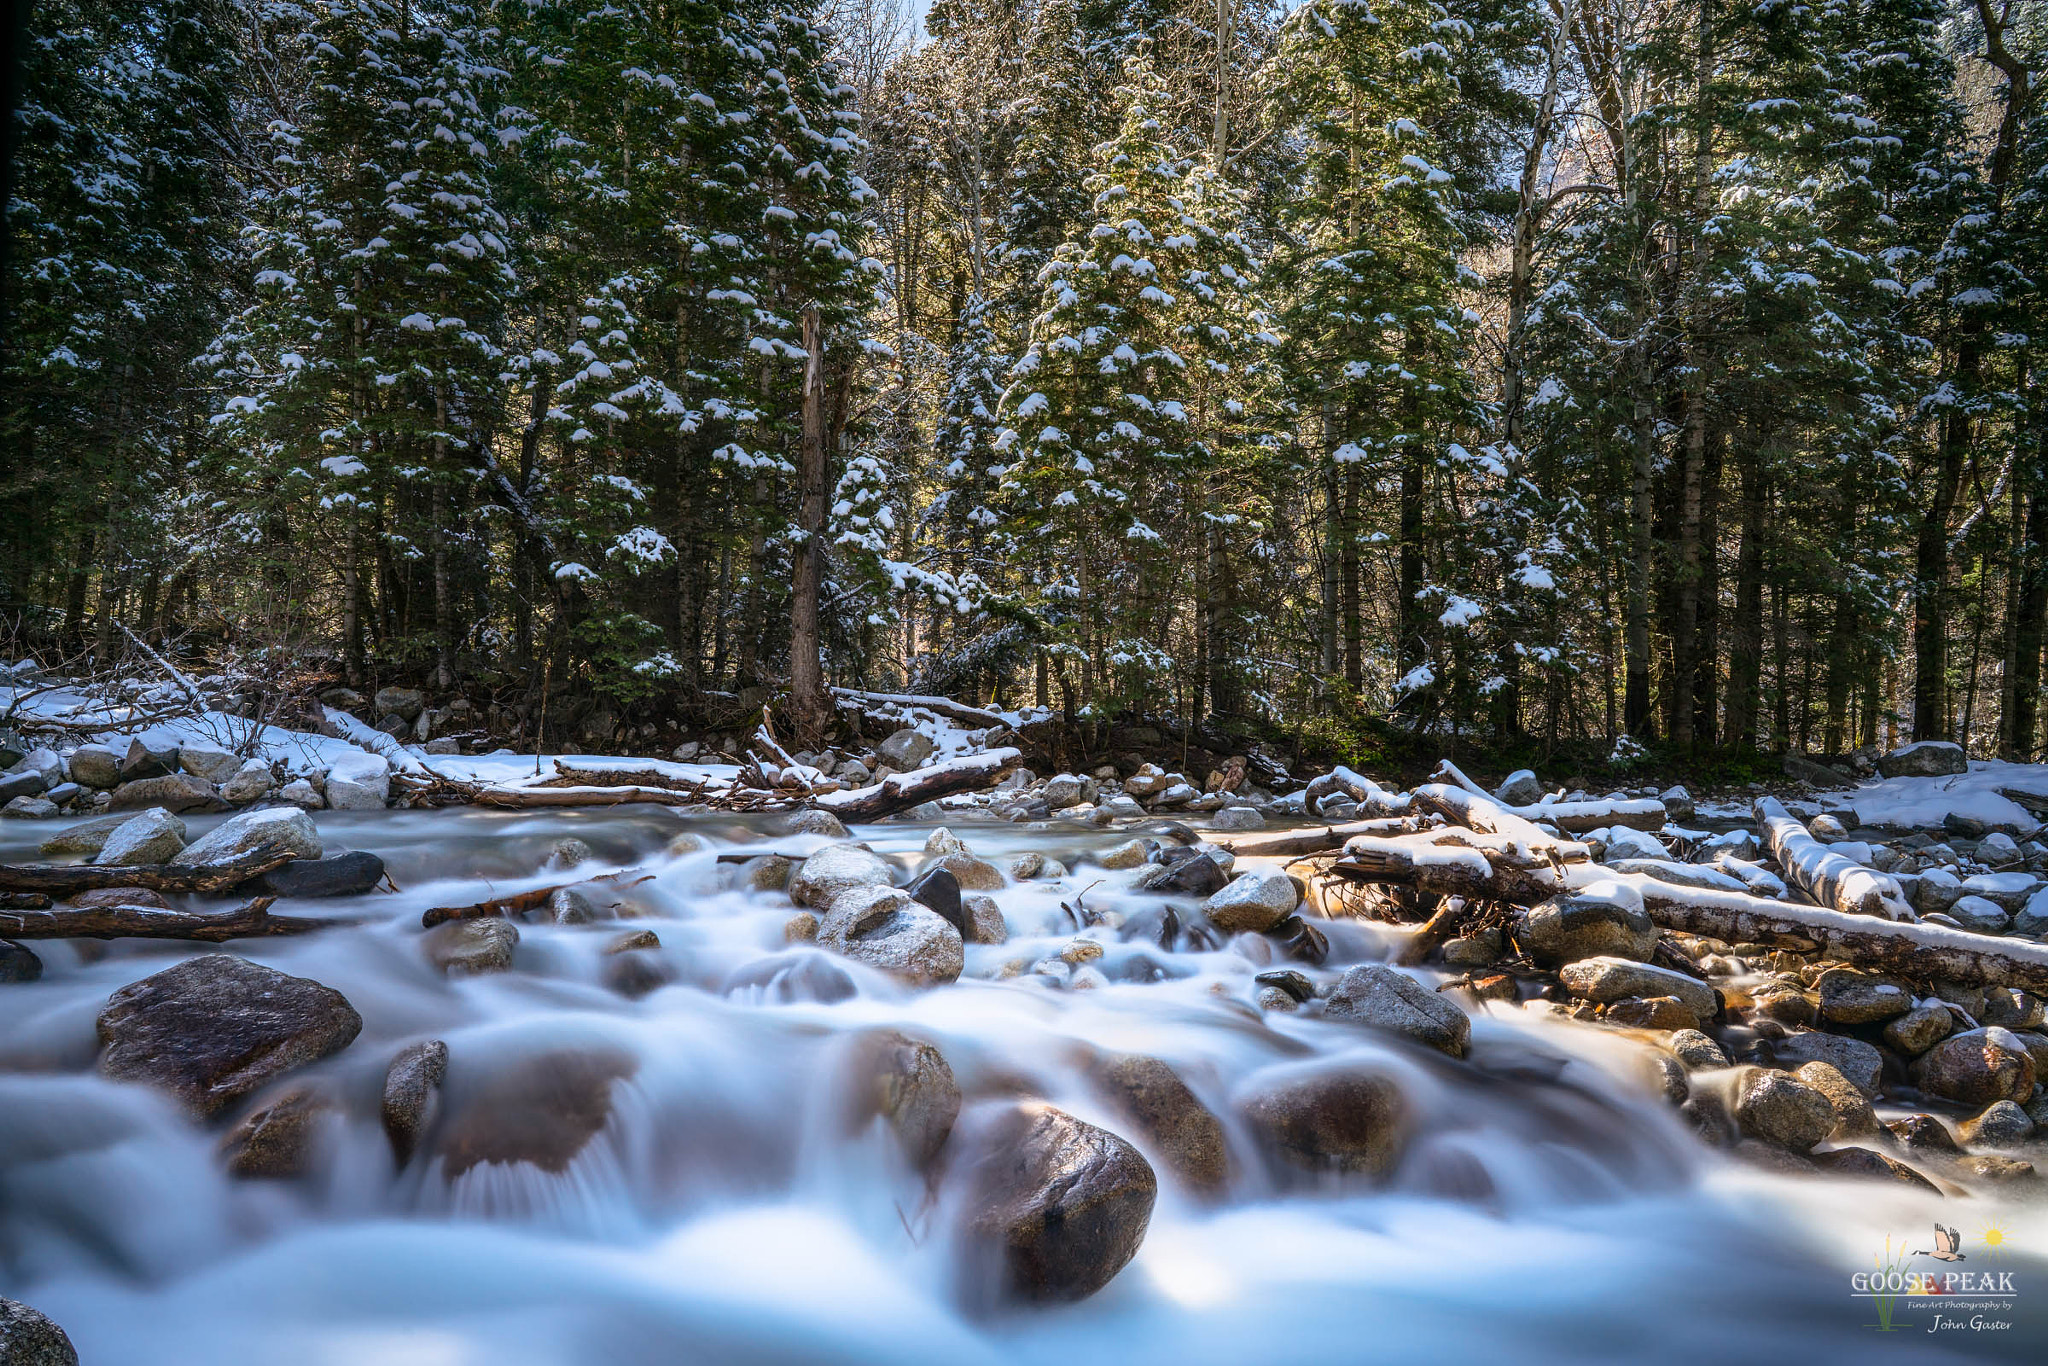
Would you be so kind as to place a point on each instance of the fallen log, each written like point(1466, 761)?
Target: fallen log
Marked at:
point(1477, 811)
point(519, 798)
point(62, 879)
point(1825, 876)
point(901, 792)
point(1494, 871)
point(938, 706)
point(251, 921)
point(519, 903)
point(1295, 843)
point(1919, 952)
point(568, 775)
point(1637, 813)
point(24, 901)
point(1370, 796)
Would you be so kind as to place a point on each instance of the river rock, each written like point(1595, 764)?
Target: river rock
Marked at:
point(907, 1083)
point(1919, 1029)
point(18, 963)
point(1520, 788)
point(251, 782)
point(28, 1338)
point(412, 1095)
point(1608, 978)
point(1066, 789)
point(1869, 1164)
point(95, 766)
point(358, 781)
point(634, 975)
point(1255, 901)
point(214, 1028)
point(155, 836)
point(144, 760)
point(86, 837)
point(1056, 1207)
point(1853, 1115)
point(300, 792)
point(282, 828)
point(1851, 997)
point(1568, 929)
point(1922, 1133)
point(1977, 1067)
point(468, 948)
point(180, 792)
point(348, 874)
point(905, 750)
point(277, 1139)
point(1329, 1121)
point(812, 821)
point(30, 809)
point(1779, 1109)
point(209, 762)
point(541, 1108)
point(837, 868)
point(1160, 1108)
point(1696, 1050)
point(2011, 1008)
point(1237, 818)
point(2001, 1124)
point(973, 874)
point(884, 928)
point(1188, 871)
point(985, 923)
point(1384, 998)
point(1976, 914)
point(1651, 1012)
point(1129, 854)
point(1862, 1064)
point(1924, 759)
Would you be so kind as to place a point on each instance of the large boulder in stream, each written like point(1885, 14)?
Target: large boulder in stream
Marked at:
point(278, 1139)
point(412, 1095)
point(154, 836)
point(1158, 1105)
point(835, 869)
point(1567, 929)
point(908, 1084)
point(1386, 998)
point(1346, 1121)
point(283, 828)
point(213, 1029)
point(29, 1338)
point(1055, 1207)
point(884, 928)
point(1977, 1067)
point(542, 1108)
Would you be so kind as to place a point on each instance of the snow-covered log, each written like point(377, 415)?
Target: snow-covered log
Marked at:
point(1637, 813)
point(901, 791)
point(1477, 811)
point(1296, 843)
point(1825, 876)
point(1372, 799)
point(938, 706)
point(1455, 863)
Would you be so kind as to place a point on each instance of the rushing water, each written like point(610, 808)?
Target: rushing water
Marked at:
point(1551, 1207)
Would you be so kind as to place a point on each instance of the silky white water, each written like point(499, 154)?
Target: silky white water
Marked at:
point(1551, 1206)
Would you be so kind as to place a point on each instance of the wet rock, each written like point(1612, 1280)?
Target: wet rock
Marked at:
point(118, 896)
point(30, 809)
point(791, 977)
point(908, 1083)
point(769, 873)
point(468, 948)
point(1377, 995)
point(905, 750)
point(284, 828)
point(1129, 854)
point(542, 1108)
point(1189, 872)
point(1609, 978)
point(1997, 1170)
point(253, 781)
point(1237, 818)
point(1568, 929)
point(1295, 984)
point(648, 939)
point(1330, 1121)
point(686, 843)
point(1862, 1064)
point(2011, 1008)
point(1977, 1067)
point(2001, 1124)
point(1924, 759)
point(213, 1029)
point(1868, 1164)
point(1252, 902)
point(985, 923)
point(276, 1140)
point(812, 821)
point(1778, 1109)
point(1480, 949)
point(177, 792)
point(1027, 866)
point(1058, 1206)
point(1667, 1077)
point(412, 1095)
point(1273, 998)
point(18, 963)
point(973, 874)
point(1157, 1104)
point(350, 874)
point(95, 766)
point(1919, 1029)
point(28, 1338)
point(403, 703)
point(637, 974)
point(568, 852)
point(801, 928)
point(1785, 1005)
point(1697, 1051)
point(835, 869)
point(567, 906)
point(154, 836)
point(884, 928)
point(1651, 1012)
point(86, 837)
point(1853, 1115)
point(1851, 997)
point(1922, 1133)
point(25, 783)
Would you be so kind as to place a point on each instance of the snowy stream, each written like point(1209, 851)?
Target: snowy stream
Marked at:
point(1550, 1207)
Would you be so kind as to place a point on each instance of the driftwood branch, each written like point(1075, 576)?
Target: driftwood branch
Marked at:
point(252, 921)
point(517, 798)
point(519, 903)
point(62, 879)
point(568, 775)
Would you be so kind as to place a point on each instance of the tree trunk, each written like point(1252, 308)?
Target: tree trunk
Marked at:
point(1746, 631)
point(811, 709)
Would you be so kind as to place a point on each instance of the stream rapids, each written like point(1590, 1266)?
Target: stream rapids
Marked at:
point(1550, 1206)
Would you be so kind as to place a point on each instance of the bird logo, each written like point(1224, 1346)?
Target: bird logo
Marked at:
point(1946, 1240)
